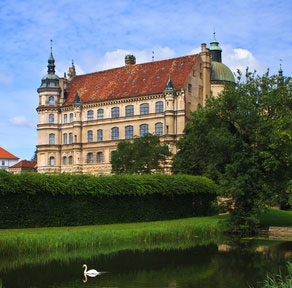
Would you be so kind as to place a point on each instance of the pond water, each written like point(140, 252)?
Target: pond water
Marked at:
point(233, 265)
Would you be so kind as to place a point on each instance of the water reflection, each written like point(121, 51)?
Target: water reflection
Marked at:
point(232, 264)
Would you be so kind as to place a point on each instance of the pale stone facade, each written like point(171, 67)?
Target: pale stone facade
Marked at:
point(82, 118)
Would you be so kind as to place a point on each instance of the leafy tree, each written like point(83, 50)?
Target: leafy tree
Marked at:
point(143, 155)
point(34, 157)
point(242, 140)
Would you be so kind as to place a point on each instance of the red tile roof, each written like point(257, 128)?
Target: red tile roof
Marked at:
point(24, 164)
point(6, 155)
point(131, 80)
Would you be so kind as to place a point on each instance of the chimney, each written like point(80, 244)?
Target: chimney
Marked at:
point(203, 47)
point(130, 60)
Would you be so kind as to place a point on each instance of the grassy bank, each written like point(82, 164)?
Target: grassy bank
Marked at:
point(275, 217)
point(18, 241)
point(21, 241)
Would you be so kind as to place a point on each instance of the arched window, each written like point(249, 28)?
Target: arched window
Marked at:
point(99, 135)
point(159, 107)
point(129, 130)
point(51, 138)
point(99, 157)
point(70, 138)
point(144, 108)
point(115, 133)
point(51, 118)
point(159, 129)
point(143, 129)
point(64, 160)
point(52, 161)
point(129, 110)
point(70, 160)
point(100, 114)
point(51, 100)
point(90, 136)
point(65, 118)
point(115, 112)
point(90, 115)
point(65, 138)
point(71, 117)
point(90, 158)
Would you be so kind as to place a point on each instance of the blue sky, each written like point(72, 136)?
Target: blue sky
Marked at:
point(98, 34)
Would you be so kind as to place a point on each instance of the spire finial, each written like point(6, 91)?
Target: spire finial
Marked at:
point(152, 56)
point(281, 71)
point(51, 61)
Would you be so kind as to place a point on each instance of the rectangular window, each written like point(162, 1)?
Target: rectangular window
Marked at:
point(115, 133)
point(99, 135)
point(90, 115)
point(129, 132)
point(190, 87)
point(65, 118)
point(90, 158)
point(100, 114)
point(144, 109)
point(51, 138)
point(143, 129)
point(65, 138)
point(71, 117)
point(115, 112)
point(159, 107)
point(70, 138)
point(90, 136)
point(129, 110)
point(100, 157)
point(159, 129)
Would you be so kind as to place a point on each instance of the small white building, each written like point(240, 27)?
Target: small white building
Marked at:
point(7, 159)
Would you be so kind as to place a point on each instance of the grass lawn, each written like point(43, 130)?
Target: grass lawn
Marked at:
point(275, 217)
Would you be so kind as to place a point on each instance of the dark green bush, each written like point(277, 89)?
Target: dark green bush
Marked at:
point(38, 200)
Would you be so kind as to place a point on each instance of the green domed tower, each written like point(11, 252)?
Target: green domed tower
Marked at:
point(219, 71)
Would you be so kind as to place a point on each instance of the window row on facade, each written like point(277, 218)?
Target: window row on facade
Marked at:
point(115, 133)
point(69, 160)
point(65, 119)
point(129, 111)
point(115, 112)
point(66, 160)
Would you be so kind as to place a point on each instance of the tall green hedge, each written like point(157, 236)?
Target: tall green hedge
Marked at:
point(41, 200)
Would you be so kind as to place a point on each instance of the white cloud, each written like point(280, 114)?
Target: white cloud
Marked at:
point(116, 58)
point(238, 58)
point(4, 79)
point(21, 121)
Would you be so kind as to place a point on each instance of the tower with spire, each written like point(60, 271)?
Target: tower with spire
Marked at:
point(220, 73)
point(48, 125)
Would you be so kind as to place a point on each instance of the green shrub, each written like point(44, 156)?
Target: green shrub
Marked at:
point(38, 200)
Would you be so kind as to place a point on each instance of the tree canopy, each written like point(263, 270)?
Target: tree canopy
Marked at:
point(143, 155)
point(242, 140)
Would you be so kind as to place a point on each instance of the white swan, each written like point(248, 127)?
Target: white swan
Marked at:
point(90, 273)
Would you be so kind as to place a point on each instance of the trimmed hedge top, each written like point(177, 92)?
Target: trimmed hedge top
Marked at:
point(81, 184)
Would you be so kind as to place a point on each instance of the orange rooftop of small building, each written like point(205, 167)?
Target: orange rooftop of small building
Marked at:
point(6, 155)
point(24, 164)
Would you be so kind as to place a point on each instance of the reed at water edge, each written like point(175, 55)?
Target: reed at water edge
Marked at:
point(36, 240)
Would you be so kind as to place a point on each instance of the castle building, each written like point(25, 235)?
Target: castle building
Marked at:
point(83, 117)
